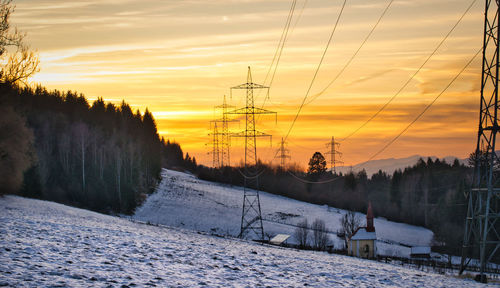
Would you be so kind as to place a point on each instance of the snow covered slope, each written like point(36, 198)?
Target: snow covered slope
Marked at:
point(182, 200)
point(44, 244)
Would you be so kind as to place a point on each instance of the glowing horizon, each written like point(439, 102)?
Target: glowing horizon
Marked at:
point(179, 58)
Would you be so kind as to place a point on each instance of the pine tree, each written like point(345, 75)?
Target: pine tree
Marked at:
point(317, 165)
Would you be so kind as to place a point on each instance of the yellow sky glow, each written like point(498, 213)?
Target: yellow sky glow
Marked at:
point(179, 58)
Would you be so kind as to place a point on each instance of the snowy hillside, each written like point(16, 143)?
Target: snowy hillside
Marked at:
point(182, 200)
point(44, 244)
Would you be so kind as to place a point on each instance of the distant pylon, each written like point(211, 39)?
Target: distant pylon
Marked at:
point(225, 141)
point(334, 153)
point(284, 154)
point(251, 217)
point(482, 229)
point(214, 141)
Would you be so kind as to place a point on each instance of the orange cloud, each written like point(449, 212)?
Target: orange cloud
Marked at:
point(178, 58)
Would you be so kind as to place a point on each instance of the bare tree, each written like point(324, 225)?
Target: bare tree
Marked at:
point(302, 233)
point(320, 235)
point(81, 132)
point(350, 222)
point(118, 176)
point(64, 148)
point(20, 62)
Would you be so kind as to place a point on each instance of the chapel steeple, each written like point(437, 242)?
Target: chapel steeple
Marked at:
point(369, 219)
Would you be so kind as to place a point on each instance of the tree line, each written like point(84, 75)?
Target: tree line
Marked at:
point(56, 146)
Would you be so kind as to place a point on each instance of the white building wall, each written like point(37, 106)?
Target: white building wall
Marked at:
point(357, 248)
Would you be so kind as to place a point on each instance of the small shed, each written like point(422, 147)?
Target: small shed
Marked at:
point(420, 252)
point(279, 239)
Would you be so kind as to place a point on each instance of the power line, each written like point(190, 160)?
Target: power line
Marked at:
point(353, 55)
point(413, 76)
point(313, 182)
point(278, 52)
point(345, 66)
point(300, 15)
point(281, 49)
point(322, 58)
point(409, 125)
point(287, 27)
point(281, 44)
point(317, 70)
point(257, 175)
point(351, 59)
point(340, 177)
point(251, 218)
point(425, 109)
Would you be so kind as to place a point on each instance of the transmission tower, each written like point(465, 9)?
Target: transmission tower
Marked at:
point(333, 151)
point(482, 233)
point(284, 154)
point(225, 141)
point(214, 141)
point(251, 218)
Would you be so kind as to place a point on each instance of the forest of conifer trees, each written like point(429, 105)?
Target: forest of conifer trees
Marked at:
point(101, 156)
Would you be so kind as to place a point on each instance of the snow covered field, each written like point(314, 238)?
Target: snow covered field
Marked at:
point(182, 200)
point(47, 244)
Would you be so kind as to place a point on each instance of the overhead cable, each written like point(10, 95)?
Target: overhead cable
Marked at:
point(413, 76)
point(425, 109)
point(281, 43)
point(353, 55)
point(317, 70)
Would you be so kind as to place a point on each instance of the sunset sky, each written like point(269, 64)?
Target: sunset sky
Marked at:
point(179, 58)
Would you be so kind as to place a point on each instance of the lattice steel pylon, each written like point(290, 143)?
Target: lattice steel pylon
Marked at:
point(333, 151)
point(283, 154)
point(251, 216)
point(225, 141)
point(214, 141)
point(481, 235)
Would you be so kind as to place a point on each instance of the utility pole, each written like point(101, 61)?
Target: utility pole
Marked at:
point(333, 151)
point(482, 233)
point(284, 154)
point(251, 216)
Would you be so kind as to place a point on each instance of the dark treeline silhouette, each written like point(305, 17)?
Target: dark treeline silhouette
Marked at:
point(101, 156)
point(429, 194)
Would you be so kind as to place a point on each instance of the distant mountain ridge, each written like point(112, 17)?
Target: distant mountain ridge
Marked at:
point(392, 164)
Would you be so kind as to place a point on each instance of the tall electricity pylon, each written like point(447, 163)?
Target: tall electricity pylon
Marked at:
point(482, 228)
point(251, 216)
point(333, 151)
point(215, 145)
point(225, 141)
point(283, 154)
